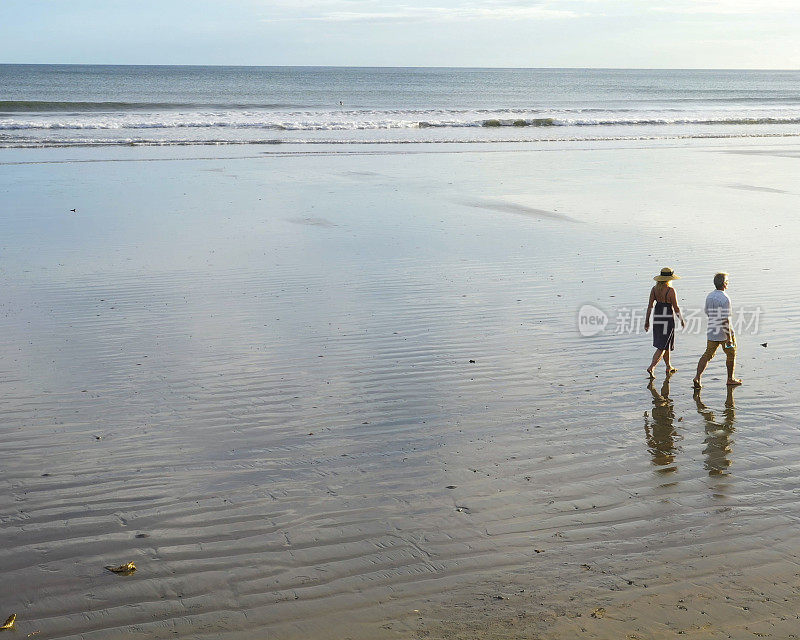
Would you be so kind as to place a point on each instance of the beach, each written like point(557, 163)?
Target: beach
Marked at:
point(340, 391)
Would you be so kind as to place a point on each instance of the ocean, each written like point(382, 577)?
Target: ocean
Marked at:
point(87, 105)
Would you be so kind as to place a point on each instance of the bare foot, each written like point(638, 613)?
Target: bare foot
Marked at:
point(650, 374)
point(696, 383)
point(671, 370)
point(734, 382)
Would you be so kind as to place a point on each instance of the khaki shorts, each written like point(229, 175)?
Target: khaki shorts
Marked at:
point(711, 349)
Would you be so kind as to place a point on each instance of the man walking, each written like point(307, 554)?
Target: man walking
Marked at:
point(720, 332)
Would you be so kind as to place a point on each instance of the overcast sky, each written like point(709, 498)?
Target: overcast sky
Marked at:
point(481, 33)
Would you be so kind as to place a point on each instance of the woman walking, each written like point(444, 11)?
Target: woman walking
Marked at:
point(666, 308)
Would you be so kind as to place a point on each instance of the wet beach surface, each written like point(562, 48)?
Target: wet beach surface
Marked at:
point(334, 394)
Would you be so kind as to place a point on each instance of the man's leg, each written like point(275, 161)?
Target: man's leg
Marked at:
point(703, 363)
point(701, 366)
point(730, 362)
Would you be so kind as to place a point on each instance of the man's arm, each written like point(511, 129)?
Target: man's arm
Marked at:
point(726, 329)
point(726, 322)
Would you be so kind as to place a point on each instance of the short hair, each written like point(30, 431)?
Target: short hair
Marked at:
point(719, 279)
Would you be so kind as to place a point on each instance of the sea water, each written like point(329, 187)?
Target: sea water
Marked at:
point(62, 105)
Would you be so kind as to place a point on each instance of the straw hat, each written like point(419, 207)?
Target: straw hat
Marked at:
point(666, 275)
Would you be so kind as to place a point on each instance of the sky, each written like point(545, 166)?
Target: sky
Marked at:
point(738, 34)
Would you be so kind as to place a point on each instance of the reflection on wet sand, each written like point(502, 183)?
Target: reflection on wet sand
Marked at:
point(718, 442)
point(660, 430)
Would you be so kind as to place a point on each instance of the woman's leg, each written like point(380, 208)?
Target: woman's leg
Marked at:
point(656, 357)
point(670, 368)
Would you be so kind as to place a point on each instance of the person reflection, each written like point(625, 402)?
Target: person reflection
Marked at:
point(718, 442)
point(660, 429)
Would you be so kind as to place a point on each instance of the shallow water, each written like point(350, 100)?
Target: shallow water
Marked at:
point(264, 364)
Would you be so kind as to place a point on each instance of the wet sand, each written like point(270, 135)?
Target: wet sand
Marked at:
point(340, 393)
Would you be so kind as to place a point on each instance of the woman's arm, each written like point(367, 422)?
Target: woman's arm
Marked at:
point(649, 309)
point(677, 308)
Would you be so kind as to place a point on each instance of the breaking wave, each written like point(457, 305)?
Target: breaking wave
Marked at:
point(332, 121)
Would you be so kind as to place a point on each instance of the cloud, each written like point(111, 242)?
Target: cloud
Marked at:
point(442, 14)
point(726, 7)
point(366, 11)
point(444, 11)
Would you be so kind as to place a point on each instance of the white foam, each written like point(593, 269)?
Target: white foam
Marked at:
point(350, 120)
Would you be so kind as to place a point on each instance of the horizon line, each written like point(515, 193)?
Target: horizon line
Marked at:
point(335, 66)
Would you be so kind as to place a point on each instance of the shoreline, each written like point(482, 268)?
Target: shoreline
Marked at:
point(743, 138)
point(233, 150)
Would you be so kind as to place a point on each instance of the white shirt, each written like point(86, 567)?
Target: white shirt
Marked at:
point(718, 309)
